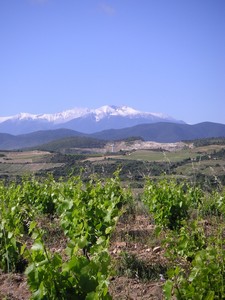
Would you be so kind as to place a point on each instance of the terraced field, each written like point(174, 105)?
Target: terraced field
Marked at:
point(25, 162)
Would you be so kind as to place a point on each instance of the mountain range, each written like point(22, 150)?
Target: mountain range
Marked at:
point(93, 127)
point(158, 132)
point(82, 119)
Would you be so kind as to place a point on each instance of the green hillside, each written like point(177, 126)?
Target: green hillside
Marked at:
point(80, 142)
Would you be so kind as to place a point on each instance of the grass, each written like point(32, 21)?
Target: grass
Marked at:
point(208, 167)
point(131, 266)
point(159, 156)
point(24, 156)
point(20, 163)
point(172, 156)
point(184, 163)
point(22, 169)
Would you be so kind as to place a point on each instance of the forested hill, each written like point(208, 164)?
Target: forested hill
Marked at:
point(158, 132)
point(166, 132)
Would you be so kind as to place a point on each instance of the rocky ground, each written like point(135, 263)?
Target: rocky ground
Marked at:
point(138, 263)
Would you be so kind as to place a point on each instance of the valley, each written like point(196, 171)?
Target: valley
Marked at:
point(136, 159)
point(139, 258)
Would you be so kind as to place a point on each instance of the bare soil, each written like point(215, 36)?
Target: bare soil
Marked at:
point(13, 287)
point(133, 238)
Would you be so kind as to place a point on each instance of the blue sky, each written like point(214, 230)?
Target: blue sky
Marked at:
point(153, 55)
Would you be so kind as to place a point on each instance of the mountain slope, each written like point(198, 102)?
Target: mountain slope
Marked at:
point(158, 132)
point(81, 119)
point(72, 142)
point(166, 132)
point(10, 142)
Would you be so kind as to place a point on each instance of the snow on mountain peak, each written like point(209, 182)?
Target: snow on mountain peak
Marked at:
point(24, 116)
point(102, 112)
point(125, 111)
point(99, 113)
point(112, 110)
point(65, 116)
point(81, 119)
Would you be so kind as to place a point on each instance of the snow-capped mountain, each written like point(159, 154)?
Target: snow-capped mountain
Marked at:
point(60, 117)
point(82, 119)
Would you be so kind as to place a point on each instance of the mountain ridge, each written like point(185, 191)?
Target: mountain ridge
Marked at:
point(158, 132)
point(100, 112)
point(82, 119)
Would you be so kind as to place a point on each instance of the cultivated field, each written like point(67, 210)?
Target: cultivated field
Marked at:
point(25, 162)
point(155, 231)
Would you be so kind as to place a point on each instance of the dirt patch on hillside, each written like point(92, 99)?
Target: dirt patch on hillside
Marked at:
point(123, 146)
point(137, 145)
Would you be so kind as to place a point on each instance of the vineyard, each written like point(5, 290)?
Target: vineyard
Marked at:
point(85, 213)
point(59, 234)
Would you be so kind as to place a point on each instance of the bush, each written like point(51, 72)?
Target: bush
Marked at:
point(170, 202)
